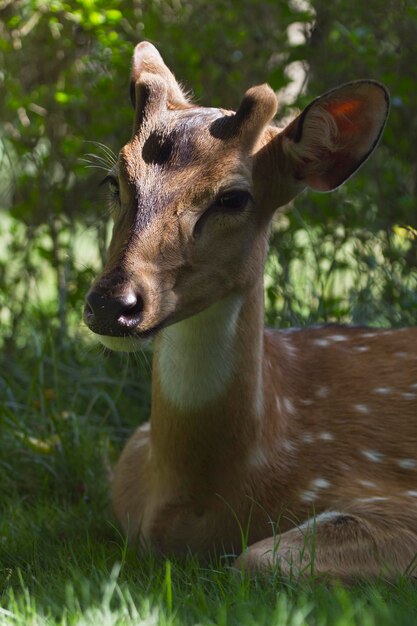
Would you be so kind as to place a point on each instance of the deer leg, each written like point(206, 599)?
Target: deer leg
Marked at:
point(336, 545)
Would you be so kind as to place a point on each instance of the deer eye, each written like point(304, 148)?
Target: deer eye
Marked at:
point(233, 200)
point(112, 184)
point(228, 202)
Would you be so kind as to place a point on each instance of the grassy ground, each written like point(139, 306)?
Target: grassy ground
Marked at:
point(64, 412)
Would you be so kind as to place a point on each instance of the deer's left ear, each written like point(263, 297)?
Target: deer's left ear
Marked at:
point(333, 136)
point(148, 62)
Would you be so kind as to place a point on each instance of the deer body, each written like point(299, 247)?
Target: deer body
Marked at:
point(309, 447)
point(248, 425)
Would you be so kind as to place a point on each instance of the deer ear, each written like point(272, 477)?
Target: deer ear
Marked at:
point(147, 61)
point(335, 134)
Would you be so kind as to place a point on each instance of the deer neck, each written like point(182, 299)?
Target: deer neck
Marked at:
point(207, 394)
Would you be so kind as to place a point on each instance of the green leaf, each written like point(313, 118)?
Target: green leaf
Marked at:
point(61, 97)
point(113, 15)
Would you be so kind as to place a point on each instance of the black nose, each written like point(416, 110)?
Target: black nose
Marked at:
point(114, 315)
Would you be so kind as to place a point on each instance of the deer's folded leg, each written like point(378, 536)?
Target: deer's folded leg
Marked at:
point(336, 545)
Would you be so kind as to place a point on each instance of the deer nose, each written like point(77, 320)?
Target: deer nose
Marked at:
point(114, 315)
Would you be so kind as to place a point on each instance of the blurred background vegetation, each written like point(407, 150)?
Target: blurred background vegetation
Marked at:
point(349, 256)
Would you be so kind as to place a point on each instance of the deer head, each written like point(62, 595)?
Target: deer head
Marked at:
point(194, 191)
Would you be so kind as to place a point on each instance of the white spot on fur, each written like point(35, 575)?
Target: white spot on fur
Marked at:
point(366, 483)
point(383, 391)
point(321, 343)
point(408, 396)
point(407, 463)
point(361, 408)
point(361, 349)
point(320, 483)
point(372, 499)
point(289, 446)
point(411, 493)
point(146, 427)
point(322, 392)
point(196, 355)
point(326, 436)
point(278, 401)
point(401, 355)
point(372, 455)
point(289, 406)
point(367, 335)
point(307, 438)
point(306, 402)
point(338, 337)
point(413, 386)
point(308, 496)
point(288, 346)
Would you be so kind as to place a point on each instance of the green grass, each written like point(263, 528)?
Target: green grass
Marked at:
point(65, 411)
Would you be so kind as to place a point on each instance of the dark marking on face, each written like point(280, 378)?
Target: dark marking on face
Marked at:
point(176, 142)
point(182, 144)
point(229, 126)
point(223, 128)
point(158, 149)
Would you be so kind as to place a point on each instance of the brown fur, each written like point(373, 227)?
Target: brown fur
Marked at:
point(312, 422)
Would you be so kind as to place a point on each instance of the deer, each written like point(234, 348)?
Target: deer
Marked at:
point(290, 449)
